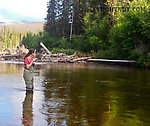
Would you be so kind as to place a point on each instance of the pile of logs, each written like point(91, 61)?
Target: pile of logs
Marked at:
point(44, 55)
point(13, 54)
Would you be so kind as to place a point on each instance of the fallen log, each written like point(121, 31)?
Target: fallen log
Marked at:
point(75, 54)
point(45, 48)
point(82, 59)
point(3, 53)
point(58, 55)
point(7, 56)
point(114, 61)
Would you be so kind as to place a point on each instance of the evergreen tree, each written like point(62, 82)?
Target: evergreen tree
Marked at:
point(79, 11)
point(62, 26)
point(50, 25)
point(64, 17)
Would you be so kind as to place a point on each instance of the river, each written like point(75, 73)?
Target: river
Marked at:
point(75, 95)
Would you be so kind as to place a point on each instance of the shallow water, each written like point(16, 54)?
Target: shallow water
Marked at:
point(75, 95)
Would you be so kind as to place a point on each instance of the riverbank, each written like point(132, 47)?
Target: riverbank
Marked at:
point(44, 56)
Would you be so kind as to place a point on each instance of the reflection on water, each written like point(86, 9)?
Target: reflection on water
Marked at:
point(10, 68)
point(77, 95)
point(96, 95)
point(27, 109)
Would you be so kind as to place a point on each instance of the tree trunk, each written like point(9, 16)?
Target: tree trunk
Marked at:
point(45, 48)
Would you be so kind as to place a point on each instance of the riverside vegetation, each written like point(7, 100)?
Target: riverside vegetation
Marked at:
point(104, 29)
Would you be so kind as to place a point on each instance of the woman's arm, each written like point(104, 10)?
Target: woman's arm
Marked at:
point(29, 65)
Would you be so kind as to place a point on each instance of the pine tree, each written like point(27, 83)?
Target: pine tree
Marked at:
point(50, 25)
point(79, 11)
point(64, 17)
point(63, 20)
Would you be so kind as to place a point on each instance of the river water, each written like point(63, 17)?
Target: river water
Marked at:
point(75, 95)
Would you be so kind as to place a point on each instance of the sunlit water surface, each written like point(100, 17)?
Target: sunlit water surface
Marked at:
point(75, 95)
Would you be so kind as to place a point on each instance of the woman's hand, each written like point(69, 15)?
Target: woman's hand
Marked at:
point(35, 59)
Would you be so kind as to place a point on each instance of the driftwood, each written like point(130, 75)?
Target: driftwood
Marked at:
point(8, 56)
point(106, 60)
point(112, 61)
point(44, 55)
point(45, 48)
point(13, 54)
point(82, 59)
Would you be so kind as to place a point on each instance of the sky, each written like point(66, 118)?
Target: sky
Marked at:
point(23, 10)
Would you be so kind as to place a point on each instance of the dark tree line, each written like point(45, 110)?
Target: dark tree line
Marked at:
point(66, 17)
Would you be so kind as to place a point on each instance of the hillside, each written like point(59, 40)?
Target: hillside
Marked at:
point(23, 27)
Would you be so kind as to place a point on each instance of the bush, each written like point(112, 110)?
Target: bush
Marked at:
point(80, 43)
point(107, 54)
point(130, 34)
point(65, 51)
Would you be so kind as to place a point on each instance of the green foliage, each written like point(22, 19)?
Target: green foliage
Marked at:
point(97, 32)
point(63, 43)
point(80, 43)
point(61, 50)
point(94, 42)
point(50, 42)
point(107, 54)
point(29, 40)
point(130, 34)
point(33, 41)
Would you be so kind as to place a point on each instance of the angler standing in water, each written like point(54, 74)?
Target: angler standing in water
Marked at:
point(28, 74)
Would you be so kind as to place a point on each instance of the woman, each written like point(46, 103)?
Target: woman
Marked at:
point(28, 74)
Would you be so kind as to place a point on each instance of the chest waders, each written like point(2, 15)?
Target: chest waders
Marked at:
point(28, 76)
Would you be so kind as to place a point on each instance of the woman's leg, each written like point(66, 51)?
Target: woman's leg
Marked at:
point(28, 77)
point(29, 84)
